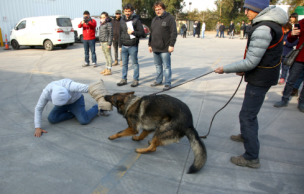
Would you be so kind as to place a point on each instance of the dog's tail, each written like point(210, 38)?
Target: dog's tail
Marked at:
point(199, 150)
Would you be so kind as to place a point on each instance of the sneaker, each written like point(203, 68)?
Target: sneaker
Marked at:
point(301, 107)
point(166, 87)
point(237, 138)
point(115, 63)
point(85, 65)
point(155, 84)
point(122, 82)
point(241, 161)
point(103, 71)
point(94, 64)
point(295, 92)
point(281, 81)
point(281, 104)
point(135, 83)
point(108, 72)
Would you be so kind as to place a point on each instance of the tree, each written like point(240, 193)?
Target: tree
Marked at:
point(293, 4)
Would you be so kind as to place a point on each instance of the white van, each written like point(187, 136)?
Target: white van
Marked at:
point(47, 31)
point(78, 31)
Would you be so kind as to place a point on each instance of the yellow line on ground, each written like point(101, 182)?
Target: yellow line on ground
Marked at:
point(40, 72)
point(216, 62)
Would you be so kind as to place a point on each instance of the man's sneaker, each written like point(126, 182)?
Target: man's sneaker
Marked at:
point(295, 92)
point(85, 65)
point(155, 84)
point(94, 64)
point(281, 104)
point(166, 87)
point(135, 83)
point(237, 138)
point(115, 63)
point(241, 161)
point(301, 107)
point(122, 82)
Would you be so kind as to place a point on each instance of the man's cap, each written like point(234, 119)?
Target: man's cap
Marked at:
point(118, 11)
point(256, 5)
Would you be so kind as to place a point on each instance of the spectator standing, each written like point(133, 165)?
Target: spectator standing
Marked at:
point(128, 43)
point(184, 28)
point(296, 69)
point(248, 29)
point(105, 39)
point(231, 29)
point(286, 49)
point(203, 29)
point(293, 19)
point(88, 26)
point(116, 31)
point(198, 29)
point(194, 28)
point(261, 66)
point(222, 30)
point(161, 42)
point(217, 27)
point(243, 29)
point(180, 27)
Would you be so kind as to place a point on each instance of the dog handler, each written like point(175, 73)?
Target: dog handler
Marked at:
point(66, 95)
point(261, 66)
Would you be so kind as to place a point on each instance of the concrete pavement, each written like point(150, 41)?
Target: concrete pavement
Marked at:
point(72, 158)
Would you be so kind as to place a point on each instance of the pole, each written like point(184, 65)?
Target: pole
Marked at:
point(1, 40)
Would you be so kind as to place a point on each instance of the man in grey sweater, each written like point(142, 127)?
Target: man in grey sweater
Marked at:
point(261, 67)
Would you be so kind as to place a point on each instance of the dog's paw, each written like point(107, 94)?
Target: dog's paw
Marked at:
point(135, 138)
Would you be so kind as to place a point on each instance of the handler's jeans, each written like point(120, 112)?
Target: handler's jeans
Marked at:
point(131, 51)
point(89, 45)
point(294, 73)
point(77, 109)
point(163, 61)
point(253, 101)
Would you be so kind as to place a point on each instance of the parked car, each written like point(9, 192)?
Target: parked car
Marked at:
point(147, 30)
point(47, 31)
point(78, 31)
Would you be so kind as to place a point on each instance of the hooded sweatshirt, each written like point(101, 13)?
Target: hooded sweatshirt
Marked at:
point(62, 92)
point(88, 30)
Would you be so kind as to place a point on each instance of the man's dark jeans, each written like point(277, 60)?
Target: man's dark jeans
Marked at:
point(115, 45)
point(294, 73)
point(299, 81)
point(222, 33)
point(253, 101)
point(89, 44)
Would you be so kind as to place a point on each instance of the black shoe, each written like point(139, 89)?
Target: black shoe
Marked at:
point(166, 87)
point(122, 82)
point(155, 84)
point(135, 83)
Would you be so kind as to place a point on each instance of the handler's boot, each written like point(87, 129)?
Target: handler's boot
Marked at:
point(237, 138)
point(241, 161)
point(295, 92)
point(104, 71)
point(115, 63)
point(108, 72)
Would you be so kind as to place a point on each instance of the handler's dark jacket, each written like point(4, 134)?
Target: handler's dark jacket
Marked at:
point(163, 33)
point(116, 27)
point(139, 32)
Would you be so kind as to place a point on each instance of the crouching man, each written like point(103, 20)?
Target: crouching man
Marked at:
point(67, 97)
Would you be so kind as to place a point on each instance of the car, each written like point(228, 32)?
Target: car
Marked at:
point(147, 30)
point(47, 31)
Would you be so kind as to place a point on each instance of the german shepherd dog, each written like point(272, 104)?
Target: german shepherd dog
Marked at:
point(168, 117)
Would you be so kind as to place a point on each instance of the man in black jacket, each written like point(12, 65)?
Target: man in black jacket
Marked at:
point(116, 31)
point(131, 30)
point(243, 28)
point(161, 43)
point(248, 29)
point(222, 30)
point(198, 29)
point(231, 30)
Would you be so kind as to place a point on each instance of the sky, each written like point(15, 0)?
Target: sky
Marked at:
point(200, 4)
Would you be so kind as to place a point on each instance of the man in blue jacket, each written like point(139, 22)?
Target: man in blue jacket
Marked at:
point(261, 67)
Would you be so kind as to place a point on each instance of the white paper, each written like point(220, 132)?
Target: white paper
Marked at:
point(130, 25)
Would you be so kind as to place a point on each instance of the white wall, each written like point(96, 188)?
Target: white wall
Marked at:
point(12, 11)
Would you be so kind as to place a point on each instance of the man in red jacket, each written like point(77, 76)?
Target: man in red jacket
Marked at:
point(296, 69)
point(88, 26)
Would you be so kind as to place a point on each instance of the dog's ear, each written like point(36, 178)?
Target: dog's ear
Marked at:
point(128, 93)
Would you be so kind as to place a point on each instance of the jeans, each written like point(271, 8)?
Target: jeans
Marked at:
point(181, 32)
point(115, 45)
point(284, 69)
point(222, 33)
point(294, 73)
point(253, 101)
point(89, 44)
point(163, 61)
point(132, 51)
point(77, 109)
point(299, 81)
point(217, 33)
point(203, 33)
point(107, 53)
point(193, 32)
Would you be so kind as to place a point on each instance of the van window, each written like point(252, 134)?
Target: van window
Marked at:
point(21, 25)
point(64, 22)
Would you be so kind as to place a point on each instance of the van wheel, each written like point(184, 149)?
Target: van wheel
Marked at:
point(81, 39)
point(64, 46)
point(71, 44)
point(32, 47)
point(48, 45)
point(15, 44)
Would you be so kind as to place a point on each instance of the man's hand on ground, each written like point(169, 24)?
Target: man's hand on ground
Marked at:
point(171, 49)
point(219, 70)
point(150, 49)
point(39, 131)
